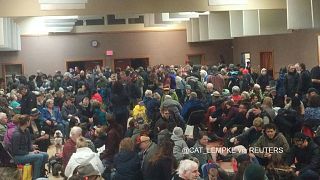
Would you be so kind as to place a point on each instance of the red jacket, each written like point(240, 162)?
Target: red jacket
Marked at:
point(68, 149)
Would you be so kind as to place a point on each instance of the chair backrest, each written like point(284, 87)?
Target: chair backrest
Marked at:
point(196, 117)
point(6, 158)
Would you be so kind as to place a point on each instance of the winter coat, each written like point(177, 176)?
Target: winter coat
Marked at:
point(201, 154)
point(179, 145)
point(278, 141)
point(161, 169)
point(83, 156)
point(291, 84)
point(127, 165)
point(28, 102)
point(307, 158)
point(190, 106)
point(68, 110)
point(147, 155)
point(56, 116)
point(8, 136)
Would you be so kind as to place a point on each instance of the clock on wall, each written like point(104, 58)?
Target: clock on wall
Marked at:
point(94, 43)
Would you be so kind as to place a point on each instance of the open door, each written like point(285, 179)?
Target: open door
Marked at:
point(266, 61)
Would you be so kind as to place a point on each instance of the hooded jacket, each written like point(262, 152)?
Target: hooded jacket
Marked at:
point(127, 164)
point(179, 145)
point(84, 156)
point(8, 136)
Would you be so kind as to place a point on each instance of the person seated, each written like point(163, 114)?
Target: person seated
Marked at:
point(257, 111)
point(305, 155)
point(312, 113)
point(69, 113)
point(83, 156)
point(193, 104)
point(127, 162)
point(85, 112)
point(187, 170)
point(236, 124)
point(236, 97)
point(52, 118)
point(200, 149)
point(40, 135)
point(275, 155)
point(23, 151)
point(70, 145)
point(251, 135)
point(3, 125)
point(9, 133)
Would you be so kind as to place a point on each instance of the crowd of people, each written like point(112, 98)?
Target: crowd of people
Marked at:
point(163, 122)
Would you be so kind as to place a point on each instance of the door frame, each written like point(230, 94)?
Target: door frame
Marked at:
point(119, 58)
point(4, 70)
point(272, 57)
point(202, 60)
point(81, 60)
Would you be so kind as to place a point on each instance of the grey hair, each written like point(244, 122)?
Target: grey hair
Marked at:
point(148, 93)
point(49, 101)
point(2, 115)
point(186, 165)
point(75, 130)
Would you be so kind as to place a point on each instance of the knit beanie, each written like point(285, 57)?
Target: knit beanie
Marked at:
point(177, 131)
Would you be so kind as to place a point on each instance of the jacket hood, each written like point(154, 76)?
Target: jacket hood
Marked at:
point(84, 155)
point(11, 125)
point(176, 138)
point(125, 156)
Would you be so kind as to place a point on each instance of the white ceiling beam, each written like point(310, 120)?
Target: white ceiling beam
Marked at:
point(63, 1)
point(48, 7)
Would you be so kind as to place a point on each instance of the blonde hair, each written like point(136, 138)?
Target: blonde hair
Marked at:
point(267, 101)
point(258, 122)
point(81, 142)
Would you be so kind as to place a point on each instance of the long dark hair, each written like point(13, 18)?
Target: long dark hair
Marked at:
point(165, 150)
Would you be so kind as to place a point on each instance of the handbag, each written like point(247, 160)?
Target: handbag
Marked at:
point(25, 171)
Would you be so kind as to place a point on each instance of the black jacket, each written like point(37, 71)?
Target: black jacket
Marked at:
point(308, 158)
point(127, 165)
point(291, 84)
point(162, 169)
point(304, 82)
point(28, 102)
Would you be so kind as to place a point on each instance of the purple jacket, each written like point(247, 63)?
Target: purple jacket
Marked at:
point(8, 135)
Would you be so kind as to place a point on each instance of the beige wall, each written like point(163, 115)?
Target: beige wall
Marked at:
point(50, 53)
point(288, 48)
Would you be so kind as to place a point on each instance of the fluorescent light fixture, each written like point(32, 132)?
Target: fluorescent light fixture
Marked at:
point(59, 29)
point(61, 6)
point(166, 17)
point(227, 2)
point(60, 24)
point(63, 1)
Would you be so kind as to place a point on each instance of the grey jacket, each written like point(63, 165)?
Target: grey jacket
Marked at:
point(179, 146)
point(147, 155)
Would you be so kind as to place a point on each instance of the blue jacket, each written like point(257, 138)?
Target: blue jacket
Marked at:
point(193, 104)
point(46, 115)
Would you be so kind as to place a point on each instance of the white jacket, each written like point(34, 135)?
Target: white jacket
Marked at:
point(83, 156)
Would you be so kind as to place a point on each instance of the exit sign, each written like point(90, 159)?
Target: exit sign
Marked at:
point(109, 52)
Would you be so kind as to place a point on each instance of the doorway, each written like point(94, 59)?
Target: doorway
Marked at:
point(88, 65)
point(266, 61)
point(195, 59)
point(6, 72)
point(135, 63)
point(245, 59)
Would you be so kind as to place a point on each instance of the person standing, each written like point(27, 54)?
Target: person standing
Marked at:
point(28, 101)
point(315, 77)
